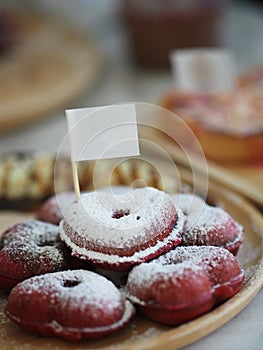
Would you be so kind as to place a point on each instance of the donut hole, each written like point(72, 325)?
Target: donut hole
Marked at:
point(117, 214)
point(71, 283)
point(45, 244)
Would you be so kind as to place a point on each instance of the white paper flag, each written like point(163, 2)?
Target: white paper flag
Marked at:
point(210, 70)
point(103, 132)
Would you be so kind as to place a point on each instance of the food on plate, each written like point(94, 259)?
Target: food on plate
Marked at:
point(170, 255)
point(229, 127)
point(53, 208)
point(27, 179)
point(29, 249)
point(117, 231)
point(74, 305)
point(208, 225)
point(184, 283)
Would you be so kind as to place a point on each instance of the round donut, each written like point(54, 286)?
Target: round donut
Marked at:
point(207, 225)
point(53, 208)
point(117, 231)
point(184, 283)
point(74, 305)
point(29, 249)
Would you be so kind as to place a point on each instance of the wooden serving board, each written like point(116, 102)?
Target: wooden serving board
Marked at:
point(245, 180)
point(141, 333)
point(49, 65)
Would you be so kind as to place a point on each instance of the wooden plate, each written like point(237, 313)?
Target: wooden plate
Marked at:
point(48, 66)
point(141, 333)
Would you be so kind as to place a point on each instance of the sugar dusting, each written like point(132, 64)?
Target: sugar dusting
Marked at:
point(203, 219)
point(55, 206)
point(32, 242)
point(136, 257)
point(100, 306)
point(182, 263)
point(143, 276)
point(92, 216)
point(208, 257)
point(90, 289)
point(153, 208)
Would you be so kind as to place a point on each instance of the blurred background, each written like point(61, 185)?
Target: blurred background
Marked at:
point(116, 51)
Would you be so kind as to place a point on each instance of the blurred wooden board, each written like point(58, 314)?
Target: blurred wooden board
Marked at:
point(252, 173)
point(247, 180)
point(48, 66)
point(142, 333)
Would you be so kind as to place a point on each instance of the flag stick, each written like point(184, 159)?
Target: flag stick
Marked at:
point(75, 179)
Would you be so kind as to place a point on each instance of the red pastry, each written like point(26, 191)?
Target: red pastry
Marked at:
point(73, 305)
point(252, 81)
point(229, 127)
point(218, 263)
point(53, 208)
point(29, 249)
point(184, 283)
point(207, 225)
point(117, 231)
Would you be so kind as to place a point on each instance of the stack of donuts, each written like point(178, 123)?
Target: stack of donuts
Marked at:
point(175, 255)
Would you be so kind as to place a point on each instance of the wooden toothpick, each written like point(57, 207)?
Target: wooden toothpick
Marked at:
point(75, 179)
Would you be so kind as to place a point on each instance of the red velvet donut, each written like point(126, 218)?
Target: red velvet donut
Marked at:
point(207, 225)
point(218, 263)
point(53, 208)
point(73, 305)
point(29, 249)
point(117, 231)
point(184, 283)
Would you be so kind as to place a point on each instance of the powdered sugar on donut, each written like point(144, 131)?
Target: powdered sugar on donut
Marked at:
point(143, 276)
point(54, 207)
point(93, 216)
point(136, 257)
point(88, 288)
point(219, 264)
point(34, 241)
point(71, 304)
point(206, 225)
point(185, 267)
point(123, 228)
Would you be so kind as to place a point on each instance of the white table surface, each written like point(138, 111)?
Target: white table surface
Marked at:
point(121, 81)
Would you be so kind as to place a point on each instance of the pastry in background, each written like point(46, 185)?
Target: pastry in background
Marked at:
point(132, 172)
point(229, 127)
point(27, 179)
